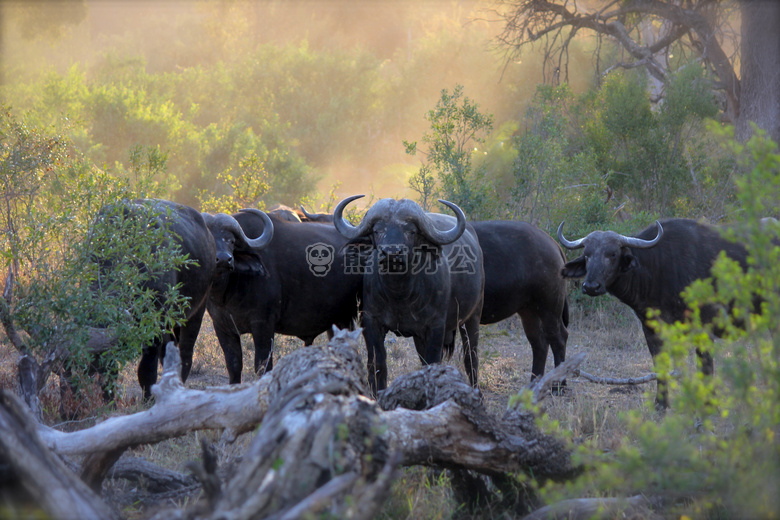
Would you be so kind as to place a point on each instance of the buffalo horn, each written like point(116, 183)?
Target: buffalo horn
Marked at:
point(576, 244)
point(310, 216)
point(638, 243)
point(442, 238)
point(345, 228)
point(268, 230)
point(641, 243)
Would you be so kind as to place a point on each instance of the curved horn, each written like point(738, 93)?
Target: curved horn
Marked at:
point(442, 238)
point(576, 244)
point(345, 228)
point(310, 216)
point(640, 243)
point(268, 230)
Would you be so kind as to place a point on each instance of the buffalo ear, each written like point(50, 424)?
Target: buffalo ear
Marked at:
point(627, 260)
point(574, 269)
point(250, 263)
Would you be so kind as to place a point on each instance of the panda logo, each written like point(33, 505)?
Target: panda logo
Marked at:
point(320, 258)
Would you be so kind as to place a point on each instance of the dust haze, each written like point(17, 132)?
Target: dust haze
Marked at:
point(175, 35)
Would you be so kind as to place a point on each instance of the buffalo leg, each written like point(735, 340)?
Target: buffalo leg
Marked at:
point(264, 348)
point(188, 335)
point(469, 334)
point(419, 346)
point(376, 365)
point(654, 344)
point(434, 345)
point(556, 335)
point(147, 368)
point(231, 348)
point(532, 326)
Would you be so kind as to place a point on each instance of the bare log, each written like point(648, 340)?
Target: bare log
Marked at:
point(156, 478)
point(322, 440)
point(617, 381)
point(177, 410)
point(321, 448)
point(588, 508)
point(55, 488)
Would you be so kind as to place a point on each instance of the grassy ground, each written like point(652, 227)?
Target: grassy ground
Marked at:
point(604, 329)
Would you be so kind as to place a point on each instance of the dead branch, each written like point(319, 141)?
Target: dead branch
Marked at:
point(156, 478)
point(587, 508)
point(614, 381)
point(54, 487)
point(541, 387)
point(177, 411)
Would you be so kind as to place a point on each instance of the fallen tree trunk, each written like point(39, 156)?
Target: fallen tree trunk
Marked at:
point(177, 410)
point(49, 482)
point(323, 447)
point(588, 508)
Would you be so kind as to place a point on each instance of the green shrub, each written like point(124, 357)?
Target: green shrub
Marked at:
point(53, 247)
point(457, 126)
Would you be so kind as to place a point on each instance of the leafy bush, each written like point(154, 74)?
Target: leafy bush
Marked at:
point(247, 188)
point(552, 180)
point(456, 127)
point(607, 156)
point(53, 249)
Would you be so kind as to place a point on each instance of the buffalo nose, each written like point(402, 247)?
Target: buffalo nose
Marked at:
point(225, 261)
point(592, 288)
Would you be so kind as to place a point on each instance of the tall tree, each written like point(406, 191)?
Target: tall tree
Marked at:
point(705, 30)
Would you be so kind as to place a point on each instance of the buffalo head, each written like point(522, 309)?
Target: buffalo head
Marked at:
point(229, 237)
point(399, 229)
point(607, 255)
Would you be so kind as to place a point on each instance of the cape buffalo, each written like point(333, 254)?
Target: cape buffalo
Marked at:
point(297, 286)
point(424, 279)
point(650, 271)
point(523, 275)
point(189, 229)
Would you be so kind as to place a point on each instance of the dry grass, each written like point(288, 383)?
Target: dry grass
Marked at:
point(606, 330)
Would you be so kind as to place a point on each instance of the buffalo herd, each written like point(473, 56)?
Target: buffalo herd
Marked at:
point(428, 276)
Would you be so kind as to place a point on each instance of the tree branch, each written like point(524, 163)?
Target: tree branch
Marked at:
point(528, 21)
point(48, 480)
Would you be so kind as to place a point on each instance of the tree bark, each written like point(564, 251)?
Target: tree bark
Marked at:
point(53, 486)
point(156, 479)
point(760, 69)
point(753, 97)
